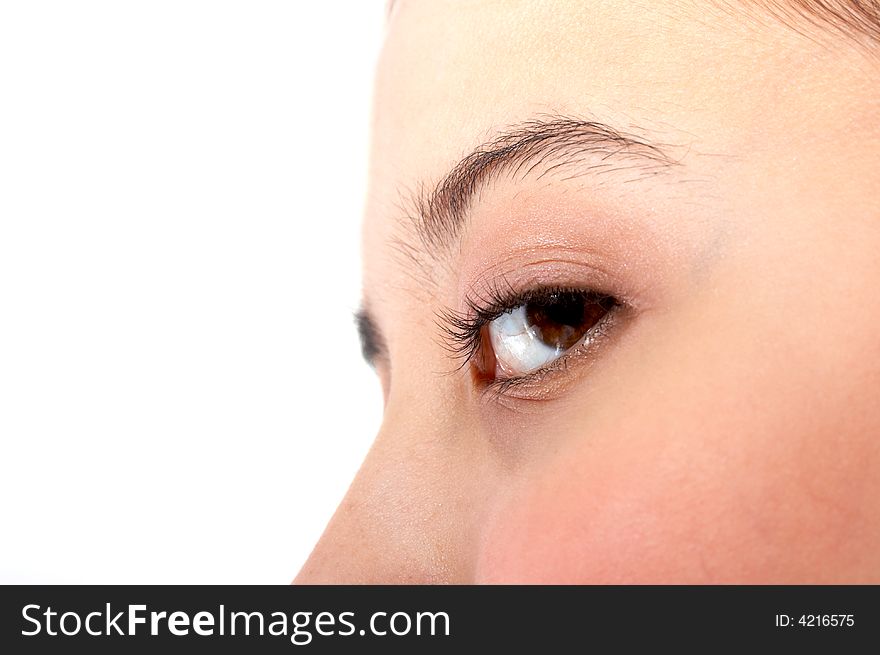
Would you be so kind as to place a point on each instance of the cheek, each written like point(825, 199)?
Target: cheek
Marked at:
point(673, 517)
point(771, 487)
point(726, 456)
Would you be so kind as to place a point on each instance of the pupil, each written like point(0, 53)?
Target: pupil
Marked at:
point(564, 318)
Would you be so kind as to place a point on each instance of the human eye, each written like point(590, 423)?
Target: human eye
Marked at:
point(513, 338)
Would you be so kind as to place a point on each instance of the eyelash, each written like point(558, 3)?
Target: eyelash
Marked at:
point(463, 331)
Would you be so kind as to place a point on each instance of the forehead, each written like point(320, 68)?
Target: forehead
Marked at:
point(686, 73)
point(465, 64)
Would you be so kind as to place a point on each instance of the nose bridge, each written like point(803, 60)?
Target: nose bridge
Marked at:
point(408, 516)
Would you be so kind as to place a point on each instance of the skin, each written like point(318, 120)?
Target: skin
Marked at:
point(728, 429)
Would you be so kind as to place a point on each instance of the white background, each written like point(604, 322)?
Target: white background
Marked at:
point(182, 397)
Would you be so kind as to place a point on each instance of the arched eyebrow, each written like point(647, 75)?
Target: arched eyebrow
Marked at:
point(563, 147)
point(560, 146)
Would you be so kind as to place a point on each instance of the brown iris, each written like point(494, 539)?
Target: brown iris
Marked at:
point(562, 319)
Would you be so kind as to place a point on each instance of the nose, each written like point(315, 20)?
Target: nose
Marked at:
point(410, 514)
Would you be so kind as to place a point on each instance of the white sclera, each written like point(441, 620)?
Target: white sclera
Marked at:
point(517, 346)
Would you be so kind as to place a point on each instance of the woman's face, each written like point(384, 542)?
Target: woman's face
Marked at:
point(687, 195)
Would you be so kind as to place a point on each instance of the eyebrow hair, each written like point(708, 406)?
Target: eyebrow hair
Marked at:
point(550, 145)
point(858, 20)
